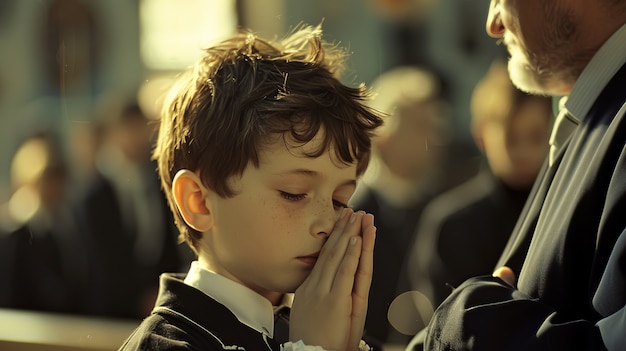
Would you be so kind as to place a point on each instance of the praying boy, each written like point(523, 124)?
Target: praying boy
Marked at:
point(259, 150)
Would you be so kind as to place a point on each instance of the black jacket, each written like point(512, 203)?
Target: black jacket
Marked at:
point(462, 234)
point(185, 318)
point(569, 250)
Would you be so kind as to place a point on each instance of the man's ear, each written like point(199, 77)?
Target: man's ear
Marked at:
point(190, 196)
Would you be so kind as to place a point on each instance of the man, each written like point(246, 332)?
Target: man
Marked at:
point(568, 250)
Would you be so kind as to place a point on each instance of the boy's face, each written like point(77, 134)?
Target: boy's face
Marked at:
point(268, 236)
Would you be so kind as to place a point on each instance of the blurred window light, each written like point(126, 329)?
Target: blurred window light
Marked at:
point(173, 33)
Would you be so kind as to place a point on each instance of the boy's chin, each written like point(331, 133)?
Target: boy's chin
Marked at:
point(291, 288)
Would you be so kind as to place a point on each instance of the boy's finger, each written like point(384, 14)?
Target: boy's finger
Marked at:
point(343, 281)
point(334, 251)
point(331, 253)
point(366, 260)
point(363, 279)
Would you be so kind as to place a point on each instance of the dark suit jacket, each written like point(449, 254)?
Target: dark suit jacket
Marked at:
point(572, 241)
point(33, 275)
point(119, 283)
point(186, 319)
point(462, 233)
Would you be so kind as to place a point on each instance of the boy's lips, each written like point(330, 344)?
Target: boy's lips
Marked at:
point(309, 259)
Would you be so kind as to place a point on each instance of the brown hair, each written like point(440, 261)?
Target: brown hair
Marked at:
point(246, 90)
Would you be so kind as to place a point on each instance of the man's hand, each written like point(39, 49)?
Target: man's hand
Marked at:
point(505, 273)
point(329, 308)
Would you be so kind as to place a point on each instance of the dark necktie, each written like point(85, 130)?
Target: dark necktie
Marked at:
point(281, 324)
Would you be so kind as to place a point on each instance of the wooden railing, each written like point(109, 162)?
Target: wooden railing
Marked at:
point(37, 331)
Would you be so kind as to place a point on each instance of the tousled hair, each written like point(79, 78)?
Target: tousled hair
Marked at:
point(246, 91)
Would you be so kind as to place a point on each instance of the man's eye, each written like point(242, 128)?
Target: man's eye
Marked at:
point(292, 197)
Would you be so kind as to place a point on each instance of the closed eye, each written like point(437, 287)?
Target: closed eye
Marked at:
point(292, 197)
point(339, 204)
point(298, 197)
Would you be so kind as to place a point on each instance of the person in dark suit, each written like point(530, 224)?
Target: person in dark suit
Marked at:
point(42, 261)
point(122, 213)
point(561, 281)
point(463, 231)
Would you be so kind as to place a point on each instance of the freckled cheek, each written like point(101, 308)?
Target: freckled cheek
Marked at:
point(322, 206)
point(285, 219)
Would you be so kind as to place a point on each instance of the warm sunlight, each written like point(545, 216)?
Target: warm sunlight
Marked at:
point(172, 33)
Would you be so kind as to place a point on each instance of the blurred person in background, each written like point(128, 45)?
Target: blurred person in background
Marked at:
point(124, 215)
point(42, 258)
point(85, 141)
point(403, 174)
point(462, 232)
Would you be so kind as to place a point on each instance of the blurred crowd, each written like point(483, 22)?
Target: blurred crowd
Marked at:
point(441, 219)
point(88, 233)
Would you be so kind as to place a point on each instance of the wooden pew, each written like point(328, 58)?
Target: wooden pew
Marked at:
point(37, 331)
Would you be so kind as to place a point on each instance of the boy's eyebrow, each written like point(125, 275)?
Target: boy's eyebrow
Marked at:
point(312, 173)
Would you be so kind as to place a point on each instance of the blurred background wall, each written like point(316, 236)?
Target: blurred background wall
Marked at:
point(60, 58)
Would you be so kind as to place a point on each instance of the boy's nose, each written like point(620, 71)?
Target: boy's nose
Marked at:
point(494, 26)
point(325, 219)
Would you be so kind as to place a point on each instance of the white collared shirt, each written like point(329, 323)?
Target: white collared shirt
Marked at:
point(249, 307)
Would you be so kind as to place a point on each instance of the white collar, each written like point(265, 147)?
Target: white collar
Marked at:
point(596, 75)
point(249, 307)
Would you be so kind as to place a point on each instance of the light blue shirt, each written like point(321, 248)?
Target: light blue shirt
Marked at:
point(597, 74)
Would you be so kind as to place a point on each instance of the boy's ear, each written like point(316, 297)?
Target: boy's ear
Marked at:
point(190, 196)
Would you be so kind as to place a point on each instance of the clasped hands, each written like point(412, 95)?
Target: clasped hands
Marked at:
point(330, 306)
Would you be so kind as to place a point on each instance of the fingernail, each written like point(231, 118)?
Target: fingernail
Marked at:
point(353, 240)
point(353, 218)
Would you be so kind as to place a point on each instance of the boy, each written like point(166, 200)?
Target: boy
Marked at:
point(259, 151)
